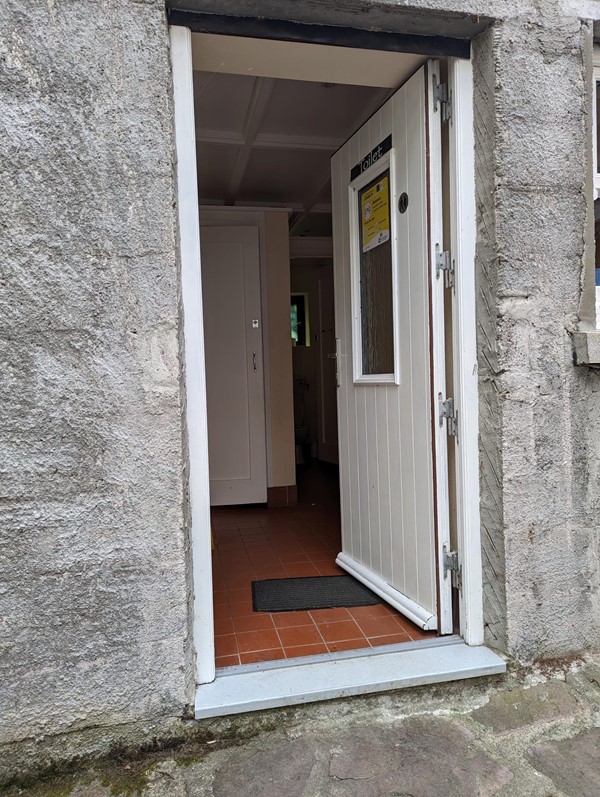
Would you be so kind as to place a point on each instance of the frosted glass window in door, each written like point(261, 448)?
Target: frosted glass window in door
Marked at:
point(376, 282)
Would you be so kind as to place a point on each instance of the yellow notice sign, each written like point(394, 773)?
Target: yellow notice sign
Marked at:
point(375, 214)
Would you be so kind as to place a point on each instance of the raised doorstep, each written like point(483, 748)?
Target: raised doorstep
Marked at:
point(253, 687)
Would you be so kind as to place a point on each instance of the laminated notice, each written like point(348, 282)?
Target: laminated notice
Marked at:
point(375, 214)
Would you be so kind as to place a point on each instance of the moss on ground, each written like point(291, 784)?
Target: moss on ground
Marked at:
point(124, 771)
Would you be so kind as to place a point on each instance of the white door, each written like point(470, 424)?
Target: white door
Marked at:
point(237, 456)
point(386, 183)
point(327, 409)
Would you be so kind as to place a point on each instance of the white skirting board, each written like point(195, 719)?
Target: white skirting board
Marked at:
point(253, 687)
point(419, 615)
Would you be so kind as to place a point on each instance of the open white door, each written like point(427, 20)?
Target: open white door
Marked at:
point(387, 228)
point(235, 393)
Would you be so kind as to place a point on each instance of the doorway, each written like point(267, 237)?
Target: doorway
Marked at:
point(470, 620)
point(285, 134)
point(313, 359)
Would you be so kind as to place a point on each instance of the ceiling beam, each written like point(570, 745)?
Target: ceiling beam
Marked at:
point(231, 137)
point(257, 107)
point(291, 207)
point(294, 142)
point(269, 140)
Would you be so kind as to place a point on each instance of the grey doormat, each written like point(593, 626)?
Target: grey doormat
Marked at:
point(312, 592)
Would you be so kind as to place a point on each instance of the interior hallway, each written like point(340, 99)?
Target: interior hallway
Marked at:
point(257, 543)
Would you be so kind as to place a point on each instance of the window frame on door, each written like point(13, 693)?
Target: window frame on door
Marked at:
point(386, 163)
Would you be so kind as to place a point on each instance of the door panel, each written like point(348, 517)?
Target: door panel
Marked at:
point(234, 365)
point(386, 442)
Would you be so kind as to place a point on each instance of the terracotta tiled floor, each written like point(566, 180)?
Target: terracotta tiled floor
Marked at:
point(257, 543)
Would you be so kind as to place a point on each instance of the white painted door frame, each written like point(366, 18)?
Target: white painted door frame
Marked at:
point(193, 351)
point(463, 230)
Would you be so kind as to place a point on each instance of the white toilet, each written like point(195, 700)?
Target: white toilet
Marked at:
point(301, 432)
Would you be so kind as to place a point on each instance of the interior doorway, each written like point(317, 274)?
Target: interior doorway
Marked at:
point(313, 360)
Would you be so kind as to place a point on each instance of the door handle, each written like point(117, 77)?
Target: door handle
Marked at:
point(254, 360)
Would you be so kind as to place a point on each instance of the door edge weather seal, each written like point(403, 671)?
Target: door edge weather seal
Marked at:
point(409, 608)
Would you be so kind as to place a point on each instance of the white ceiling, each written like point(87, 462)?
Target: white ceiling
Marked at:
point(265, 139)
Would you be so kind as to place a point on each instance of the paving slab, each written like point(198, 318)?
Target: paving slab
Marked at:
point(282, 770)
point(521, 707)
point(573, 765)
point(419, 757)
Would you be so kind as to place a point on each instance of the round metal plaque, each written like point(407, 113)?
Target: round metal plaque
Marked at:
point(403, 202)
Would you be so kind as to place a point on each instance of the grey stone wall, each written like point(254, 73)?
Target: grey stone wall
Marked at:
point(93, 558)
point(539, 414)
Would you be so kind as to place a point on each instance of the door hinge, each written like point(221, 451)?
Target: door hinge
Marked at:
point(452, 566)
point(444, 264)
point(441, 97)
point(449, 414)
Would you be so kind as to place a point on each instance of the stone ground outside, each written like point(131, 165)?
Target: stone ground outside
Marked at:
point(533, 733)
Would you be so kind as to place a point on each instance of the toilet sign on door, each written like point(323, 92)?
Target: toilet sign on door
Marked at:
point(377, 152)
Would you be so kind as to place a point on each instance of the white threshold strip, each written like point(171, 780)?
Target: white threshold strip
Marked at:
point(252, 687)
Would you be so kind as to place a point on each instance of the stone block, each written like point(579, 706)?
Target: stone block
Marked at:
point(573, 765)
point(520, 708)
